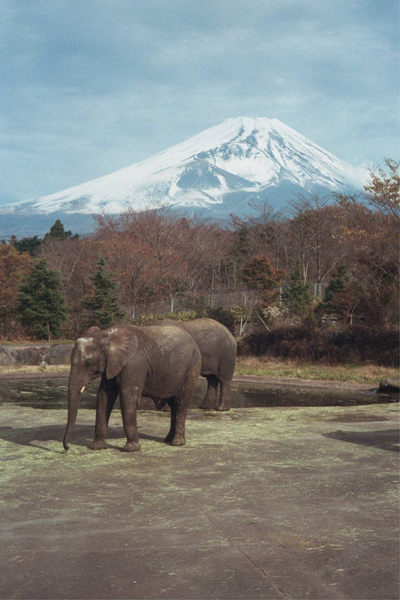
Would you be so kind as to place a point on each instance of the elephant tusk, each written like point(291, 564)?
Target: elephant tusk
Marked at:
point(83, 389)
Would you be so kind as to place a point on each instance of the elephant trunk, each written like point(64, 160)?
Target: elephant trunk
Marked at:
point(75, 387)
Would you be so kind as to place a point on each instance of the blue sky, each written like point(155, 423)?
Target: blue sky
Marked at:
point(90, 86)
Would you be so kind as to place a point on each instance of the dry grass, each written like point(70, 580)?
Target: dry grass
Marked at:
point(358, 373)
point(250, 365)
point(33, 369)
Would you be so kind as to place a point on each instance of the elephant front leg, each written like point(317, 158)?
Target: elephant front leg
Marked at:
point(129, 401)
point(106, 396)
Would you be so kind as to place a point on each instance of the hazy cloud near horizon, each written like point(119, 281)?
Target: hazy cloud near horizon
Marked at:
point(90, 87)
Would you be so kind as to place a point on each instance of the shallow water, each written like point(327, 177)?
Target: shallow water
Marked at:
point(43, 393)
point(51, 393)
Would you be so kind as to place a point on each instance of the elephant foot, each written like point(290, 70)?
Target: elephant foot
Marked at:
point(131, 447)
point(222, 407)
point(207, 406)
point(98, 445)
point(178, 440)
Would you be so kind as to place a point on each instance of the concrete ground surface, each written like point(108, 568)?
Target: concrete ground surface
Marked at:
point(269, 503)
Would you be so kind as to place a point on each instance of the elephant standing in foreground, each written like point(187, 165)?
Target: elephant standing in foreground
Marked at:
point(218, 356)
point(160, 362)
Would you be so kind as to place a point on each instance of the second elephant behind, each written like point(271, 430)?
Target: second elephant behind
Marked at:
point(218, 353)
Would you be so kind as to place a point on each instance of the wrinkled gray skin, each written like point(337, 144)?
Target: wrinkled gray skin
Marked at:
point(160, 362)
point(218, 356)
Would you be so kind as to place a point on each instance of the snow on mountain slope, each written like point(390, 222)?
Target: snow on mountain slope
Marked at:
point(240, 159)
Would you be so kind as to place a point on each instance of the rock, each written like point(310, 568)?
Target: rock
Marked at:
point(6, 360)
point(59, 354)
point(389, 386)
point(29, 356)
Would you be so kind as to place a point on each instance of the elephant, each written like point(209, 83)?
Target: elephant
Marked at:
point(218, 353)
point(159, 362)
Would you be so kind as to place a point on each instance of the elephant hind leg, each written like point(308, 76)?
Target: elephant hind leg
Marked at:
point(210, 399)
point(172, 403)
point(179, 405)
point(224, 399)
point(176, 434)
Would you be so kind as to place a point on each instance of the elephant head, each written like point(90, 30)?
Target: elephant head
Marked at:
point(97, 353)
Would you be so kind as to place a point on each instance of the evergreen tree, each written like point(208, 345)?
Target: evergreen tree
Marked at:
point(340, 298)
point(335, 288)
point(26, 244)
point(104, 305)
point(296, 296)
point(41, 306)
point(57, 232)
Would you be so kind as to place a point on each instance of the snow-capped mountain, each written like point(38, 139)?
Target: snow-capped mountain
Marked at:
point(218, 170)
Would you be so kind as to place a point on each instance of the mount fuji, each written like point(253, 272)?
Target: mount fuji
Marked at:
point(214, 173)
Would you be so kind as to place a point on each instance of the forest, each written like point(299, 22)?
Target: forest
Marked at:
point(320, 281)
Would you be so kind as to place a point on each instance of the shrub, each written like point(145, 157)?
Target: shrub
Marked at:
point(222, 316)
point(308, 345)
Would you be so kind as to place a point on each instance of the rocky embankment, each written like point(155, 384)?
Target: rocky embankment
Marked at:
point(44, 354)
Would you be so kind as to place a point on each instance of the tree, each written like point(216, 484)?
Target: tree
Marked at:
point(259, 274)
point(13, 266)
point(372, 235)
point(341, 297)
point(26, 244)
point(296, 296)
point(41, 306)
point(384, 189)
point(75, 259)
point(104, 304)
point(57, 231)
point(312, 234)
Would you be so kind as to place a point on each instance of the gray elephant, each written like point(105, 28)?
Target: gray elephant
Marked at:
point(160, 362)
point(218, 353)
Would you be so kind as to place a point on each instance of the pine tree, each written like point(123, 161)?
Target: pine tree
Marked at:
point(41, 306)
point(57, 232)
point(104, 305)
point(296, 296)
point(335, 288)
point(340, 298)
point(27, 244)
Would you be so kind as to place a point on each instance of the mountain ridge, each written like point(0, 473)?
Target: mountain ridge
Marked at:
point(245, 158)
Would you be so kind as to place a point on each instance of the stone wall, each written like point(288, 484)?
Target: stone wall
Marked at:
point(47, 354)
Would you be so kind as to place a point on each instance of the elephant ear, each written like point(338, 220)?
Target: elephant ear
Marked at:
point(120, 344)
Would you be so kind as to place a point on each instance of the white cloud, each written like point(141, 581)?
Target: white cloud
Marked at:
point(93, 86)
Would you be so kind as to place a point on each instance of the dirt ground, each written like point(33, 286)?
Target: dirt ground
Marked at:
point(268, 503)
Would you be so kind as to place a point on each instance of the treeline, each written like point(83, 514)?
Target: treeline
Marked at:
point(328, 263)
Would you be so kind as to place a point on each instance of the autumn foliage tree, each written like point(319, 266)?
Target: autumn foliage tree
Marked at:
point(13, 267)
point(162, 261)
point(371, 235)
